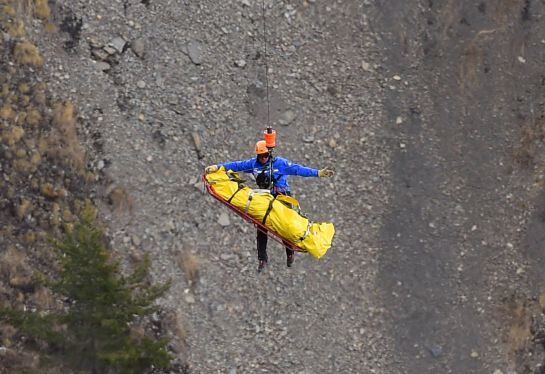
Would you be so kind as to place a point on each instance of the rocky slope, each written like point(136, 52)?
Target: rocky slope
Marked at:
point(437, 171)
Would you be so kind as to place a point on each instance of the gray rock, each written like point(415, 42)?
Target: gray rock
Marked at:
point(135, 240)
point(94, 43)
point(223, 220)
point(435, 350)
point(240, 63)
point(118, 44)
point(100, 54)
point(110, 50)
point(189, 298)
point(194, 50)
point(103, 66)
point(138, 47)
point(308, 139)
point(141, 84)
point(287, 117)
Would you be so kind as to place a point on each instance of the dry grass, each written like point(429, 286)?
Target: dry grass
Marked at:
point(189, 264)
point(33, 117)
point(41, 9)
point(29, 237)
point(9, 11)
point(7, 112)
point(16, 29)
point(23, 166)
point(531, 134)
point(22, 281)
point(172, 323)
point(55, 215)
point(27, 8)
point(542, 302)
point(11, 262)
point(23, 208)
point(505, 10)
point(520, 331)
point(49, 191)
point(24, 88)
point(7, 333)
point(449, 14)
point(472, 59)
point(138, 333)
point(43, 298)
point(120, 199)
point(26, 53)
point(39, 96)
point(19, 362)
point(68, 216)
point(63, 142)
point(11, 137)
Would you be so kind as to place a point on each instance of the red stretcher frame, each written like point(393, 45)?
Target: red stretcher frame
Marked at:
point(261, 227)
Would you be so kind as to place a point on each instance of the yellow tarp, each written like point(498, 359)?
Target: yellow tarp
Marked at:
point(315, 238)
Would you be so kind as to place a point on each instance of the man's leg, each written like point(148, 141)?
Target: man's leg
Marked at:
point(289, 252)
point(289, 257)
point(261, 250)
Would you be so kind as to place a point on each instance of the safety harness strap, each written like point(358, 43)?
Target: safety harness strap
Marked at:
point(268, 210)
point(250, 197)
point(306, 233)
point(240, 187)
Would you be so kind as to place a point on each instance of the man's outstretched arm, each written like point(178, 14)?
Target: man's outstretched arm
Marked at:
point(290, 168)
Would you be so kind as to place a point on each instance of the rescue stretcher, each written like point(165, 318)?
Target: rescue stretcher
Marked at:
point(317, 238)
point(254, 221)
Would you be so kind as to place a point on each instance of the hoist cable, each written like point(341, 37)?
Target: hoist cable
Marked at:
point(266, 64)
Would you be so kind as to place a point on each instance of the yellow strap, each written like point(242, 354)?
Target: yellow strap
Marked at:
point(287, 199)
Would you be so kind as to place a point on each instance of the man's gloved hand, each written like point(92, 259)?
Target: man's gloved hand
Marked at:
point(325, 173)
point(211, 169)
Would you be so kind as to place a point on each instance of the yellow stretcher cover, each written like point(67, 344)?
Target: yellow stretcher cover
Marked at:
point(281, 218)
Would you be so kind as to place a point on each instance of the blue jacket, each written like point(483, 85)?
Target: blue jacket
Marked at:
point(281, 169)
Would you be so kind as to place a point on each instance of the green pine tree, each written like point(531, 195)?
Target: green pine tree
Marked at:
point(95, 332)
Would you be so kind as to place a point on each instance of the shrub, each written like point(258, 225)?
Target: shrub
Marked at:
point(63, 140)
point(26, 53)
point(96, 332)
point(41, 9)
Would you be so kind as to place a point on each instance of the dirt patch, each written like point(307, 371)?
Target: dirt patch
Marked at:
point(453, 249)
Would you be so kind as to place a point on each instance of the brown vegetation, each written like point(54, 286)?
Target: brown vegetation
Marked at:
point(63, 141)
point(172, 323)
point(531, 135)
point(44, 168)
point(120, 199)
point(189, 264)
point(41, 9)
point(26, 53)
point(12, 261)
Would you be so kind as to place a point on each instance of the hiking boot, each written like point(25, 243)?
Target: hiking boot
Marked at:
point(289, 260)
point(262, 266)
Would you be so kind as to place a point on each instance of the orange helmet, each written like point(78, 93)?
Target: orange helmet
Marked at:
point(261, 147)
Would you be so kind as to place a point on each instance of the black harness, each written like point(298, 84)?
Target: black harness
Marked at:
point(263, 180)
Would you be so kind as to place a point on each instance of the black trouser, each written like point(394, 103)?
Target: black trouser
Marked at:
point(262, 243)
point(262, 246)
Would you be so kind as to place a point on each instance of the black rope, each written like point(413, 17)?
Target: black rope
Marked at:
point(266, 64)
